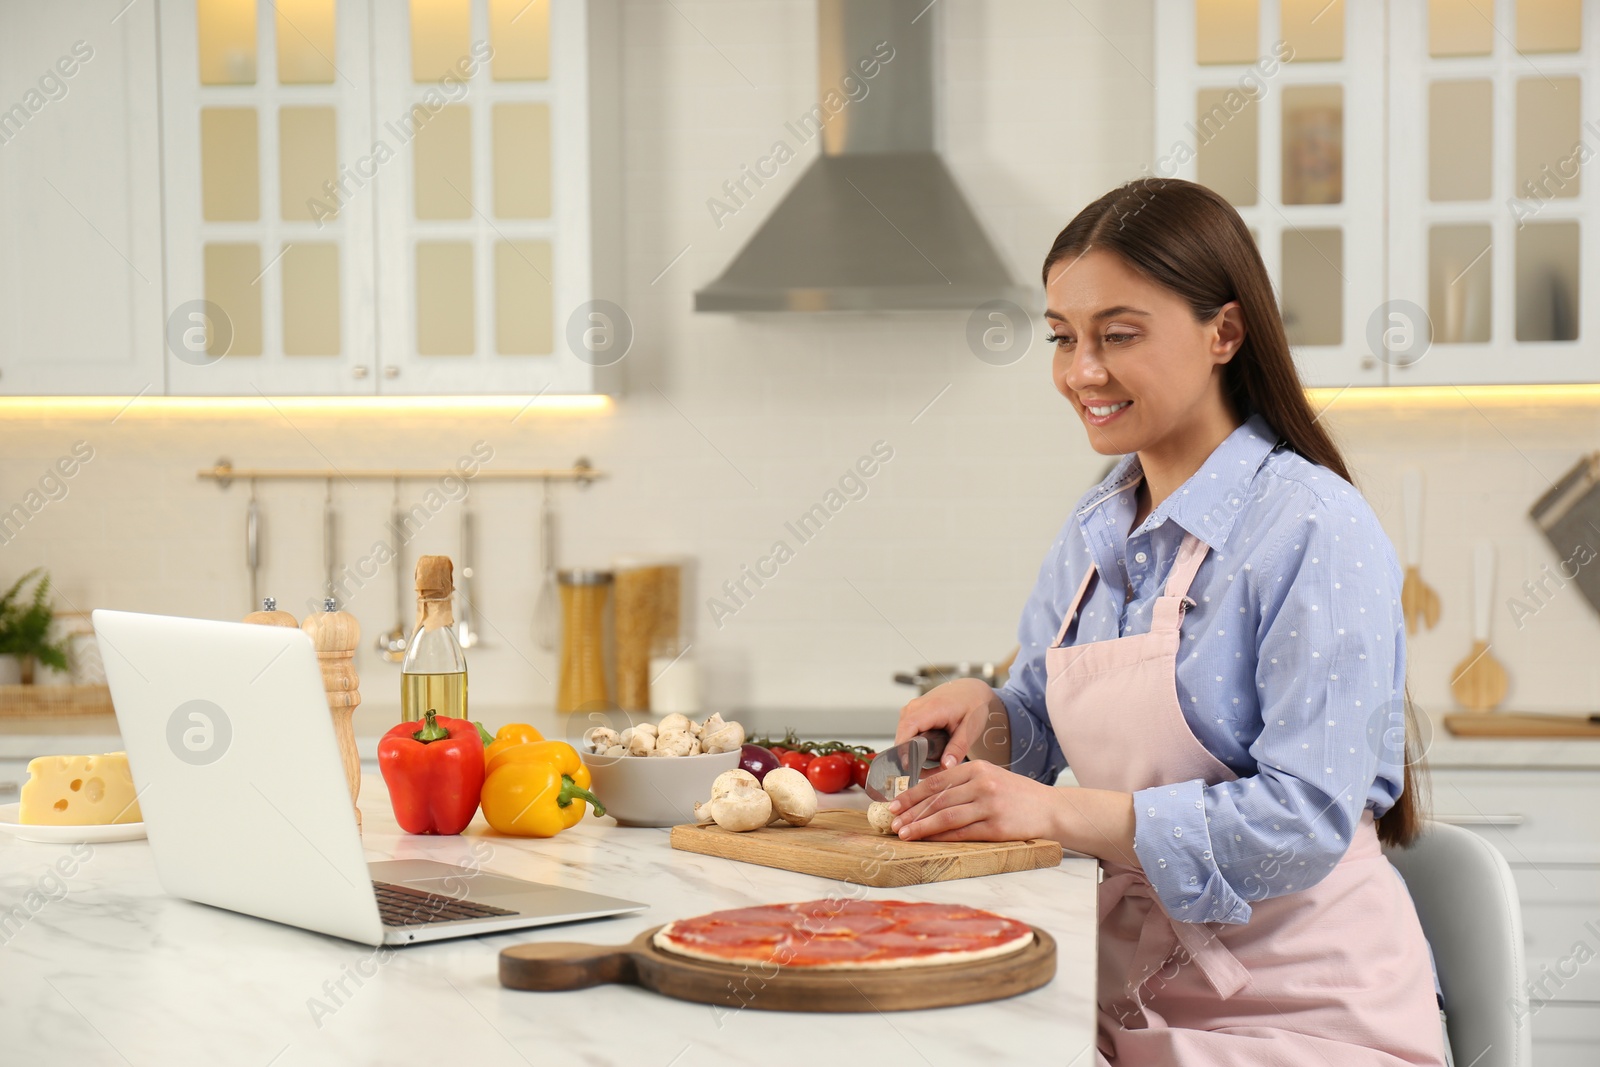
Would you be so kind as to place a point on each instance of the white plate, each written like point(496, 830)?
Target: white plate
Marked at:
point(67, 835)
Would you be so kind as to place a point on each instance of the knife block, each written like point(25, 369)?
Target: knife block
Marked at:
point(335, 635)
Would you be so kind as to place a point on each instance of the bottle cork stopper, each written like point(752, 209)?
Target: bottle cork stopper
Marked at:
point(434, 577)
point(269, 615)
point(434, 586)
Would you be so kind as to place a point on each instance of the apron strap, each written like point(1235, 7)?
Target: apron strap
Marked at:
point(1168, 611)
point(1077, 602)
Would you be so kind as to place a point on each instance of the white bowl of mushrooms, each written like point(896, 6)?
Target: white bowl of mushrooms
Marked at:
point(653, 774)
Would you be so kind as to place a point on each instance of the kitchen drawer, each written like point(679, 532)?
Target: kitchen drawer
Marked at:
point(1566, 1035)
point(1561, 929)
point(1531, 816)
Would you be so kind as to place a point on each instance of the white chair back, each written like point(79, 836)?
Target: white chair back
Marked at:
point(1468, 905)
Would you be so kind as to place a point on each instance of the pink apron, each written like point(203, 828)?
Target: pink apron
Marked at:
point(1334, 974)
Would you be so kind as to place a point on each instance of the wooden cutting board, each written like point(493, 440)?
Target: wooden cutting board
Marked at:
point(1510, 724)
point(839, 844)
point(562, 965)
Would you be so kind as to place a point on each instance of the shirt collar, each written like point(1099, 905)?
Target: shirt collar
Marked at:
point(1208, 503)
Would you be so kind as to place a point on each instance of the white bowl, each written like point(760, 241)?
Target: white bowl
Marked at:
point(655, 790)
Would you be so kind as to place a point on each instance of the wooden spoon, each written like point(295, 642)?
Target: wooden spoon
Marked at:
point(1479, 681)
point(1417, 598)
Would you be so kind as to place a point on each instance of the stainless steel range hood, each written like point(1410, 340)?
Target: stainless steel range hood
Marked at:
point(876, 223)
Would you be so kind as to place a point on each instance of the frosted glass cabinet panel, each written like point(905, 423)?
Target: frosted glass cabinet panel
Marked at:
point(489, 221)
point(446, 168)
point(1492, 231)
point(1254, 100)
point(267, 120)
point(1425, 161)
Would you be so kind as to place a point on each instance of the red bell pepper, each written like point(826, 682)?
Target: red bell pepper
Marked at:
point(434, 775)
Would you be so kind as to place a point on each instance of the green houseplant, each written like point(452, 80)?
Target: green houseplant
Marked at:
point(25, 624)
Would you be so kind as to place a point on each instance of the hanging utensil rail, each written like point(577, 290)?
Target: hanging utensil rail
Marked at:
point(224, 472)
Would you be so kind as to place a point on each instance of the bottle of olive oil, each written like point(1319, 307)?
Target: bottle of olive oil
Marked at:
point(434, 675)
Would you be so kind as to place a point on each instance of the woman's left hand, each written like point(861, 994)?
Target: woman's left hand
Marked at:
point(978, 801)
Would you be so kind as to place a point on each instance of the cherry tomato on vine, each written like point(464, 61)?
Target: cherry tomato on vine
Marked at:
point(797, 760)
point(829, 774)
point(858, 772)
point(777, 750)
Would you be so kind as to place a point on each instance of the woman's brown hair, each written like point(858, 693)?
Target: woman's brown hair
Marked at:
point(1191, 241)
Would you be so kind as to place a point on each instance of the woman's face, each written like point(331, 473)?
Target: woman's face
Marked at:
point(1129, 355)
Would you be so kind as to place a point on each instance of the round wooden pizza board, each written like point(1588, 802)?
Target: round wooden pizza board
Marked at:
point(562, 965)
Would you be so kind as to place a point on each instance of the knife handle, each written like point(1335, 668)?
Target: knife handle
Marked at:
point(937, 739)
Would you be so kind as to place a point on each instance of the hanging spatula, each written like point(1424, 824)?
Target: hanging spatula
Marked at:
point(1479, 681)
point(1417, 598)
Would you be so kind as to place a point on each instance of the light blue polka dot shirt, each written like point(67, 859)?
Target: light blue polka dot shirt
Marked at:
point(1290, 670)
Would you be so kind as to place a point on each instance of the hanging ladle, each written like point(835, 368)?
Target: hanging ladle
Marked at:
point(392, 645)
point(252, 545)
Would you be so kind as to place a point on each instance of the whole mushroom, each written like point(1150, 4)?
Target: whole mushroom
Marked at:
point(738, 802)
point(721, 736)
point(792, 795)
point(600, 738)
point(642, 740)
point(880, 817)
point(674, 723)
point(677, 743)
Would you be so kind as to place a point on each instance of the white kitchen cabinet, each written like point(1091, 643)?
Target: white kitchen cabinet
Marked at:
point(1465, 224)
point(373, 198)
point(1546, 823)
point(1491, 214)
point(499, 234)
point(1295, 147)
point(80, 169)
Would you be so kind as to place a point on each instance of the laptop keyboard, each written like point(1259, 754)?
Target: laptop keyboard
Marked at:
point(400, 905)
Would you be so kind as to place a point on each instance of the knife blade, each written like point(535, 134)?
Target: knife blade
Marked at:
point(907, 759)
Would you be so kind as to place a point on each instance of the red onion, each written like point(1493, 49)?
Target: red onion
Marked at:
point(757, 760)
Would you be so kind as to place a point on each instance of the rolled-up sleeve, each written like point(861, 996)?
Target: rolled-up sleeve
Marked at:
point(1330, 656)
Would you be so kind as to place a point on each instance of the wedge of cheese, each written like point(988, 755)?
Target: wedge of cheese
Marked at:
point(79, 791)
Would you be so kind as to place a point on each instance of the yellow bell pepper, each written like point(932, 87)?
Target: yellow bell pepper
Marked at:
point(510, 735)
point(536, 789)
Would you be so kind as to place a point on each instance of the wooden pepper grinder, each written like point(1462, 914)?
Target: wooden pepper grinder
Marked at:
point(269, 615)
point(335, 634)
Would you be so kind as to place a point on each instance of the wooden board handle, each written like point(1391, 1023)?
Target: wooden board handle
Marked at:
point(1411, 492)
point(555, 966)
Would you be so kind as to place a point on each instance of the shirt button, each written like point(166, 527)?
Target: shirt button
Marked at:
point(1139, 557)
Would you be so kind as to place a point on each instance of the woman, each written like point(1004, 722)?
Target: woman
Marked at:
point(1215, 648)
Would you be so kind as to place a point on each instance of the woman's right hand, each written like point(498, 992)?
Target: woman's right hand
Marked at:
point(963, 707)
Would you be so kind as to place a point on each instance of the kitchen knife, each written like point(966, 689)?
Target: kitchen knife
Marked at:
point(907, 759)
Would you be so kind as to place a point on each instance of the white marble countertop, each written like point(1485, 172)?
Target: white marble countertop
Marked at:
point(100, 966)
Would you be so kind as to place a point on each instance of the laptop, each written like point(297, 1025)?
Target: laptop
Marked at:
point(245, 803)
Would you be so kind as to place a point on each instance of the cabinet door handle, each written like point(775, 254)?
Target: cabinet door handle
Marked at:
point(391, 372)
point(1481, 820)
point(359, 371)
